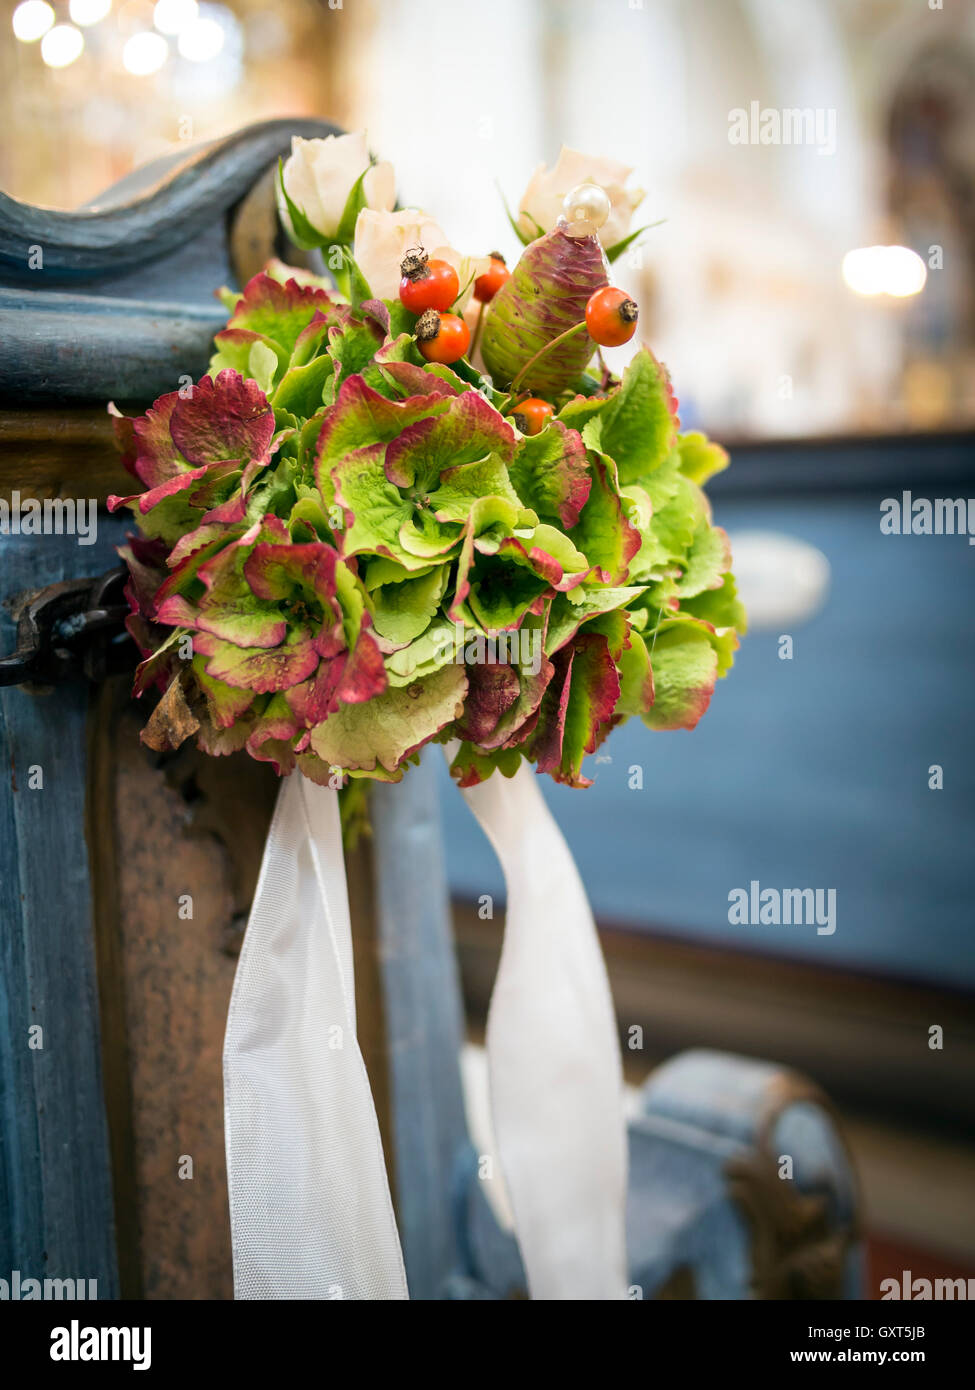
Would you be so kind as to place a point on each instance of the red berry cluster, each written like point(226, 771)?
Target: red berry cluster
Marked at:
point(429, 287)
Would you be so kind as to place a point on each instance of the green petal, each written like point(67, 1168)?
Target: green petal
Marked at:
point(383, 731)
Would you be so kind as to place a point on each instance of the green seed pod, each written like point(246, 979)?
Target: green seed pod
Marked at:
point(547, 294)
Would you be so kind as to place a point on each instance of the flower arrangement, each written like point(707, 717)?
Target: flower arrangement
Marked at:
point(407, 507)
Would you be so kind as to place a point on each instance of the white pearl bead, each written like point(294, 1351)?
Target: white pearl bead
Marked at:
point(586, 208)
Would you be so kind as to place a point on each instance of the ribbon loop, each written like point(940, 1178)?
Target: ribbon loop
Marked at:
point(310, 1210)
point(553, 1057)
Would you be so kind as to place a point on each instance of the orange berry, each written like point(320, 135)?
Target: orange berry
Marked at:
point(442, 337)
point(532, 415)
point(487, 285)
point(427, 284)
point(611, 316)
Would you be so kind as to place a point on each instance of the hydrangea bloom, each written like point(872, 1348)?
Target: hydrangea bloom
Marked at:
point(347, 552)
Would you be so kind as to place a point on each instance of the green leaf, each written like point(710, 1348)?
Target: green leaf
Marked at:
point(471, 765)
point(540, 231)
point(618, 247)
point(670, 535)
point(308, 515)
point(233, 351)
point(377, 508)
point(462, 486)
point(381, 570)
point(501, 592)
point(352, 350)
point(723, 611)
point(356, 201)
point(358, 285)
point(301, 232)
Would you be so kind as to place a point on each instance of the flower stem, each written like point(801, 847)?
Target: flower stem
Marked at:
point(546, 347)
point(477, 333)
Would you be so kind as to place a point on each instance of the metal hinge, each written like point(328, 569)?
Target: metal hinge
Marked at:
point(70, 630)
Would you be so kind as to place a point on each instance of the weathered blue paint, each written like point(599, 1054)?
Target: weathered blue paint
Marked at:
point(156, 211)
point(706, 1186)
point(55, 1179)
point(121, 302)
point(122, 306)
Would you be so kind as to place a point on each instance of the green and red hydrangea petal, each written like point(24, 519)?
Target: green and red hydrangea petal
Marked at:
point(226, 703)
point(471, 765)
point(148, 451)
point(362, 417)
point(272, 736)
point(551, 473)
point(577, 708)
point(228, 417)
point(491, 692)
point(637, 425)
point(469, 429)
point(604, 533)
point(383, 732)
point(281, 311)
point(263, 670)
point(685, 666)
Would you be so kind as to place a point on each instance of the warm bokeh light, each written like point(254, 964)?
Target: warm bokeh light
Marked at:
point(172, 16)
point(201, 41)
point(32, 20)
point(88, 12)
point(144, 54)
point(61, 45)
point(892, 270)
point(906, 272)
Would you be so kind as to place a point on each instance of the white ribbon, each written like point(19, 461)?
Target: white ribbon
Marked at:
point(310, 1209)
point(553, 1057)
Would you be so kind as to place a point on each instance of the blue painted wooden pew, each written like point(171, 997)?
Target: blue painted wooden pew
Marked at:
point(740, 1187)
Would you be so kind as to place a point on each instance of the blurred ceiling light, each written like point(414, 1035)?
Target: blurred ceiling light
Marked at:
point(906, 272)
point(201, 41)
point(61, 45)
point(893, 270)
point(172, 16)
point(144, 54)
point(32, 20)
point(89, 11)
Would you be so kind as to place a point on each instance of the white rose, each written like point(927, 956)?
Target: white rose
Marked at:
point(383, 238)
point(542, 199)
point(319, 175)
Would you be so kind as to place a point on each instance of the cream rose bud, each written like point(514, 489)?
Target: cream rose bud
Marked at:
point(542, 200)
point(319, 175)
point(383, 238)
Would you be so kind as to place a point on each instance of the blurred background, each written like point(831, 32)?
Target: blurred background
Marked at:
point(843, 759)
point(752, 248)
